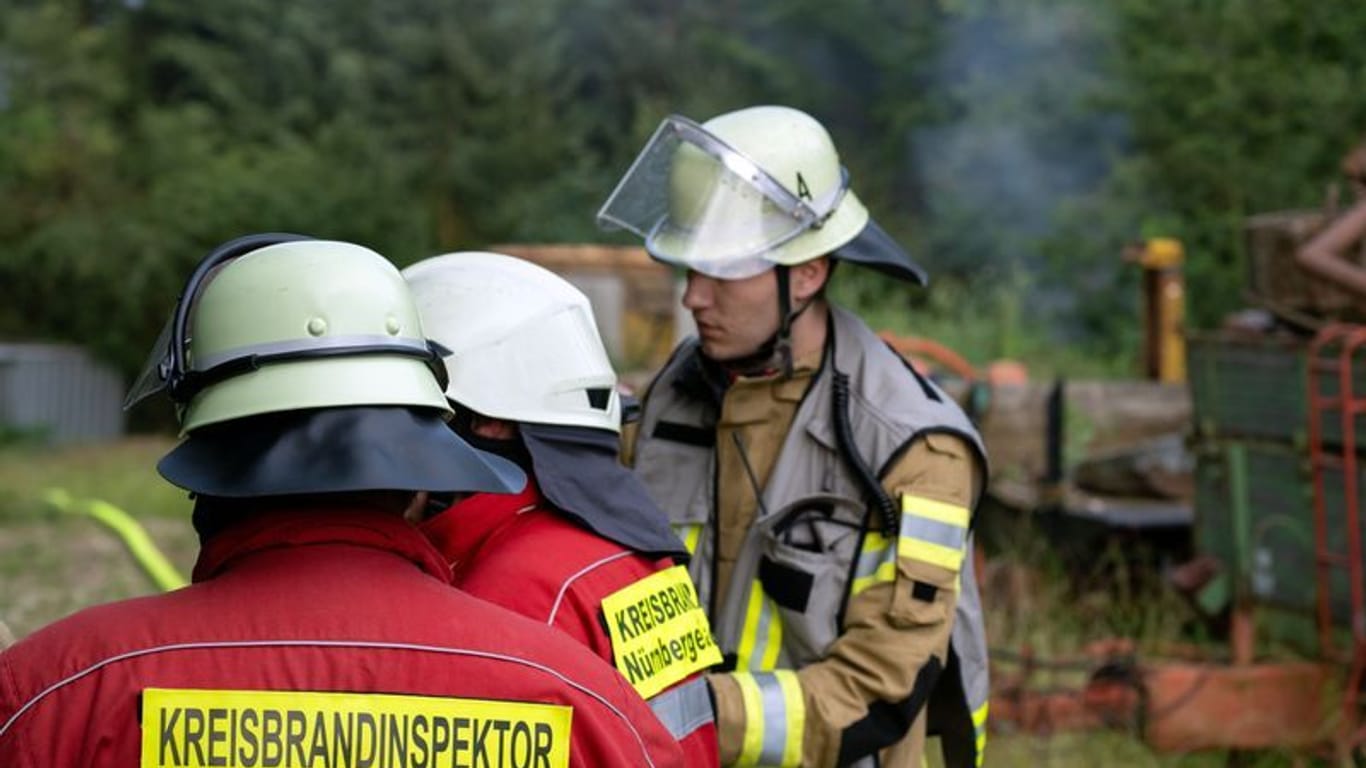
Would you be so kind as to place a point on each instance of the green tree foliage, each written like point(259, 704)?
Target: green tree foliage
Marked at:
point(1014, 146)
point(1236, 108)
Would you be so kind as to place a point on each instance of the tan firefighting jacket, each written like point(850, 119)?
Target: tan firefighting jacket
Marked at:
point(839, 634)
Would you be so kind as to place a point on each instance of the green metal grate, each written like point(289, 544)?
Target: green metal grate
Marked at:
point(1254, 511)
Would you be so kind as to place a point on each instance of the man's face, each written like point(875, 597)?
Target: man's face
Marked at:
point(734, 317)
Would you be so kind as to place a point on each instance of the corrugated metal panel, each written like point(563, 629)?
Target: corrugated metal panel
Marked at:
point(60, 392)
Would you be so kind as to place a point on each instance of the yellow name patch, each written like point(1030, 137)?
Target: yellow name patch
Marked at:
point(660, 634)
point(291, 729)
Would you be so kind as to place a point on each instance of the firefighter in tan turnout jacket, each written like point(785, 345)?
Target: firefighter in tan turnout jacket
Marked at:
point(824, 488)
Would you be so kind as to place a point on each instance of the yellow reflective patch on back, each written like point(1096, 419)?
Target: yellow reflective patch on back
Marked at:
point(659, 632)
point(256, 729)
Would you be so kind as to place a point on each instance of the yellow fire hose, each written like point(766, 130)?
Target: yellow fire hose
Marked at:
point(133, 535)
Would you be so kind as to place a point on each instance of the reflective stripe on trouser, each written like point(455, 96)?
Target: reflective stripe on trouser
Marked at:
point(689, 534)
point(775, 718)
point(933, 532)
point(970, 646)
point(761, 637)
point(979, 729)
point(876, 563)
point(684, 708)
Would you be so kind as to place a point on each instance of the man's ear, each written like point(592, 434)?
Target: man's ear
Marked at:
point(808, 278)
point(416, 509)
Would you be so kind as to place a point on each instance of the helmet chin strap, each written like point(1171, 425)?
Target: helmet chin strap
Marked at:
point(776, 351)
point(783, 339)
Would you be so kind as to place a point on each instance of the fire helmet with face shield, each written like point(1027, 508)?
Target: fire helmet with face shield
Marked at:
point(747, 191)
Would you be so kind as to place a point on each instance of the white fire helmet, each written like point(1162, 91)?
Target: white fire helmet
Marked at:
point(523, 344)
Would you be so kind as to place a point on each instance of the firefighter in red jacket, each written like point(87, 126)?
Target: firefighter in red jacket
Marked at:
point(583, 547)
point(321, 628)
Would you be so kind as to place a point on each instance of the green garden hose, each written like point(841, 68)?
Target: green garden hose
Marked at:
point(128, 529)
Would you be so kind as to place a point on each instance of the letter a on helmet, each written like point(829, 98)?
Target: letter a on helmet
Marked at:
point(747, 191)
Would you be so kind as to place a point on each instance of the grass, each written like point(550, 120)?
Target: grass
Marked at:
point(53, 565)
point(123, 475)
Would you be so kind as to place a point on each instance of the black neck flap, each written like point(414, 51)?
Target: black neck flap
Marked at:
point(329, 450)
point(578, 472)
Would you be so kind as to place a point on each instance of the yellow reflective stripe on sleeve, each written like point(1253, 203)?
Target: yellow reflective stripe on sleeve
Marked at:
point(659, 632)
point(932, 509)
point(979, 727)
point(934, 554)
point(795, 708)
point(753, 741)
point(876, 563)
point(761, 637)
point(775, 718)
point(885, 572)
point(689, 534)
point(775, 639)
point(933, 532)
point(347, 730)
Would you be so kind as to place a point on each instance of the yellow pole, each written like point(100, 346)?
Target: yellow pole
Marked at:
point(1165, 296)
point(134, 536)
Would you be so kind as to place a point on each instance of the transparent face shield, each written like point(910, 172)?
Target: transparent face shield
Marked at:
point(702, 205)
point(163, 363)
point(155, 371)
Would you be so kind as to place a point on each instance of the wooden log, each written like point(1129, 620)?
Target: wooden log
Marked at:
point(1102, 417)
point(1275, 279)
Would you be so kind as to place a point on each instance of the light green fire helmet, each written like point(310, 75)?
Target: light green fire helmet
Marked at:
point(747, 191)
point(272, 323)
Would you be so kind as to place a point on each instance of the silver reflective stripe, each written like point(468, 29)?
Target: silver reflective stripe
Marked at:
point(876, 550)
point(689, 533)
point(876, 563)
point(763, 633)
point(775, 720)
point(684, 708)
point(933, 531)
point(761, 636)
point(969, 643)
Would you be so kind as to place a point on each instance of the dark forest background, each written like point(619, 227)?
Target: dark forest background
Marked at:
point(1015, 146)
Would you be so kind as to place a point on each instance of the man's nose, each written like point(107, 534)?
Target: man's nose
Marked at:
point(698, 293)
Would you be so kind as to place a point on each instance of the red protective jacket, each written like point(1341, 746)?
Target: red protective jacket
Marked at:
point(341, 601)
point(518, 552)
